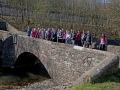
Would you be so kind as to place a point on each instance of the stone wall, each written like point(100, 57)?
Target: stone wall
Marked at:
point(114, 49)
point(7, 48)
point(13, 30)
point(66, 63)
point(8, 53)
point(4, 35)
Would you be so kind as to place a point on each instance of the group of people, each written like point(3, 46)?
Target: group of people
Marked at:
point(68, 37)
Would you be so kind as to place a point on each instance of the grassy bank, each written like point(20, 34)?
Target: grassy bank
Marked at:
point(111, 82)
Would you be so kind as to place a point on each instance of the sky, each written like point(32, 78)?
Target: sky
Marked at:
point(105, 1)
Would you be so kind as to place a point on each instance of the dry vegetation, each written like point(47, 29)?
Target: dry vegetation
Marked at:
point(94, 15)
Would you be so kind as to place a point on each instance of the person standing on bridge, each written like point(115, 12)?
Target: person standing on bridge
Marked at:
point(33, 32)
point(29, 31)
point(55, 35)
point(68, 37)
point(83, 38)
point(103, 42)
point(78, 38)
point(48, 34)
point(39, 33)
point(73, 37)
point(60, 36)
point(42, 34)
point(63, 37)
point(89, 39)
point(52, 33)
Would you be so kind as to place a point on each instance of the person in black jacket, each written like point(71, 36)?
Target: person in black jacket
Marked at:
point(89, 39)
point(55, 36)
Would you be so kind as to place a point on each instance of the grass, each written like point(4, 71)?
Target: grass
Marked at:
point(111, 82)
point(98, 86)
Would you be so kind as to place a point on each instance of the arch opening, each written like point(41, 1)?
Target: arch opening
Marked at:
point(28, 62)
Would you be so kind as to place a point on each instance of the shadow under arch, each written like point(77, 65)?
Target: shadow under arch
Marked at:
point(28, 62)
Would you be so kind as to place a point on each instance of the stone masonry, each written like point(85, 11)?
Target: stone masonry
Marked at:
point(64, 63)
point(67, 65)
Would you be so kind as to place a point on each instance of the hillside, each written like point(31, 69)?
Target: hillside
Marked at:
point(91, 15)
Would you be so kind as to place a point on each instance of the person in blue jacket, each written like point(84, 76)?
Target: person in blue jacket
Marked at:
point(29, 31)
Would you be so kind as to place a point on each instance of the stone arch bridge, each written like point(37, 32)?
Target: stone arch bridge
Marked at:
point(64, 63)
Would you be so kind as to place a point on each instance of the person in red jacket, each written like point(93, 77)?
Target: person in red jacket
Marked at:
point(78, 38)
point(33, 32)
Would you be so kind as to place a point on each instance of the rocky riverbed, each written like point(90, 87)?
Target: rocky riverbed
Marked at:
point(44, 85)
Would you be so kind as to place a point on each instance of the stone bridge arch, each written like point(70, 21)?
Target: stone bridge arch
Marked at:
point(26, 58)
point(30, 62)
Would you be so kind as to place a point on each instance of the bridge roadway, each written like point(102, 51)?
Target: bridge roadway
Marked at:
point(66, 64)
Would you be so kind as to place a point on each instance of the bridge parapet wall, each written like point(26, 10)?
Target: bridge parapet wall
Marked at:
point(4, 34)
point(114, 49)
point(7, 47)
point(13, 30)
point(67, 63)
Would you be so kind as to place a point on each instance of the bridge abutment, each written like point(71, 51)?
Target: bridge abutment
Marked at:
point(8, 53)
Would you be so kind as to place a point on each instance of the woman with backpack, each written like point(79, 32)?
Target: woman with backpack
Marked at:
point(103, 42)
